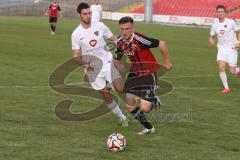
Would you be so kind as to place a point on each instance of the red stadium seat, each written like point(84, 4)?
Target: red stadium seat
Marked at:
point(199, 8)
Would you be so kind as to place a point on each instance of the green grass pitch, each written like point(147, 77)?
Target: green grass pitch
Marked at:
point(30, 130)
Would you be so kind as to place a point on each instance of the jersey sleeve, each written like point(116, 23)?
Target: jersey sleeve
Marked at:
point(147, 42)
point(236, 27)
point(100, 8)
point(91, 8)
point(75, 42)
point(59, 8)
point(106, 31)
point(212, 31)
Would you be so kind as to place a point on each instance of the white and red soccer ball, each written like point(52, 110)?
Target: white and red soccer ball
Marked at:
point(116, 142)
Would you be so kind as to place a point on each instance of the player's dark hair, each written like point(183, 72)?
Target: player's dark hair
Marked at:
point(82, 6)
point(222, 7)
point(126, 19)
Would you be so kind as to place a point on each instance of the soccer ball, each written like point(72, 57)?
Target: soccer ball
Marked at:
point(116, 142)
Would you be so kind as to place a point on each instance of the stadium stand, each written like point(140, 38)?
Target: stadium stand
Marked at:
point(195, 8)
point(198, 8)
point(29, 8)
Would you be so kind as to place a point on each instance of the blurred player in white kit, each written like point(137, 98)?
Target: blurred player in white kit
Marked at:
point(228, 35)
point(96, 10)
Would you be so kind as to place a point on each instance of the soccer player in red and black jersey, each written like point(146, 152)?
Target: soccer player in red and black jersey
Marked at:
point(53, 10)
point(141, 81)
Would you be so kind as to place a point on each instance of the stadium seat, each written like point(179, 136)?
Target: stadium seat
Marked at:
point(200, 8)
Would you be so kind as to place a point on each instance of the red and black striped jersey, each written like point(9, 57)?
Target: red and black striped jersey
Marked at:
point(53, 10)
point(138, 51)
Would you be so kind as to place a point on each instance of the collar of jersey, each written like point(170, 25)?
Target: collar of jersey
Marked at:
point(131, 38)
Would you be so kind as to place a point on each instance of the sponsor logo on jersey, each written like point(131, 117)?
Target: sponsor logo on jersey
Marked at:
point(129, 54)
point(134, 47)
point(222, 32)
point(93, 42)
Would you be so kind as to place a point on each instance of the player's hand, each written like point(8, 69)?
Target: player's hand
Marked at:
point(87, 66)
point(167, 65)
point(46, 14)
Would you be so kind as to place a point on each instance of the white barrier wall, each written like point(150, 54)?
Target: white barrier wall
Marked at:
point(162, 18)
point(116, 16)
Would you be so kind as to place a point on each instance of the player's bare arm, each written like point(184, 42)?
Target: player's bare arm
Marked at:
point(113, 38)
point(120, 67)
point(117, 63)
point(61, 14)
point(78, 58)
point(166, 59)
point(211, 40)
point(47, 11)
point(238, 39)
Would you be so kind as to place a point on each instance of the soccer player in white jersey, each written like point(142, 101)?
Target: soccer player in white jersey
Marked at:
point(228, 35)
point(89, 50)
point(96, 10)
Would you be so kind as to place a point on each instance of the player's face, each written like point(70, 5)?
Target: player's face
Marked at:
point(96, 1)
point(221, 13)
point(126, 30)
point(85, 16)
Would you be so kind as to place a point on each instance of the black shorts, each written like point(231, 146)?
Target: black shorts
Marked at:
point(53, 19)
point(143, 87)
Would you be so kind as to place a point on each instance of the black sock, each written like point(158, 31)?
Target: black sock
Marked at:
point(52, 28)
point(139, 115)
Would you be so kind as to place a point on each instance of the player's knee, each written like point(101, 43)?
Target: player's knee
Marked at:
point(146, 106)
point(131, 108)
point(221, 69)
point(232, 72)
point(146, 109)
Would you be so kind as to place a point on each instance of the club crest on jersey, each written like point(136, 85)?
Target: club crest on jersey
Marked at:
point(96, 33)
point(225, 26)
point(222, 32)
point(93, 42)
point(134, 47)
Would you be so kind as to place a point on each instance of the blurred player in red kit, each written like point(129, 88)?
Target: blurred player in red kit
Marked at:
point(52, 11)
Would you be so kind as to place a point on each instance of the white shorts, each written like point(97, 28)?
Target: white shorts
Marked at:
point(107, 73)
point(228, 55)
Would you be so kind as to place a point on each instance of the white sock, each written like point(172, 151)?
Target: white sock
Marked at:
point(237, 70)
point(223, 77)
point(114, 107)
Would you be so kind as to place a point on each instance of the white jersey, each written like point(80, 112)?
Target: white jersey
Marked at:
point(91, 41)
point(226, 33)
point(96, 11)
